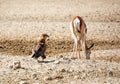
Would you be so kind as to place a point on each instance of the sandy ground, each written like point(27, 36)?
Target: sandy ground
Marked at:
point(21, 22)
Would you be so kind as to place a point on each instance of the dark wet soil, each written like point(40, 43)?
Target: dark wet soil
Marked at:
point(24, 47)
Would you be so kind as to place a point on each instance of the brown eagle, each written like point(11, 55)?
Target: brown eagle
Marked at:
point(40, 48)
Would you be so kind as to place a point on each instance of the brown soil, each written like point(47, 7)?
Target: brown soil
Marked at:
point(24, 47)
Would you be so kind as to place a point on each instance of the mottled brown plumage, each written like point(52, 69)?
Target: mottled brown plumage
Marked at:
point(40, 47)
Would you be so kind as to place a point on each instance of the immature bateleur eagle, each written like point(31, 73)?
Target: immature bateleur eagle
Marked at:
point(40, 47)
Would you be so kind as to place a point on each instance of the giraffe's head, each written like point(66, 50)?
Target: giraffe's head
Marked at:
point(88, 50)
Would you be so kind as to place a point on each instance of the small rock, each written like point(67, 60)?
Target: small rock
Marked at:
point(11, 66)
point(71, 70)
point(48, 78)
point(61, 56)
point(76, 77)
point(1, 46)
point(34, 76)
point(65, 58)
point(73, 58)
point(108, 26)
point(16, 65)
point(23, 82)
point(111, 73)
point(63, 70)
point(57, 62)
point(58, 77)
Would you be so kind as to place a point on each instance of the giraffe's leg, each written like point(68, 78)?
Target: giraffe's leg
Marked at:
point(79, 57)
point(83, 43)
point(74, 47)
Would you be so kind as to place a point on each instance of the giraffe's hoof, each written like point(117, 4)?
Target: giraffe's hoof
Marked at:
point(73, 58)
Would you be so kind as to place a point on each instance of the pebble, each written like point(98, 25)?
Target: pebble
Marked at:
point(34, 76)
point(23, 82)
point(16, 65)
point(57, 62)
point(48, 78)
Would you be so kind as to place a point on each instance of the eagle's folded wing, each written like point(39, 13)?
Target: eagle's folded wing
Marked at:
point(38, 51)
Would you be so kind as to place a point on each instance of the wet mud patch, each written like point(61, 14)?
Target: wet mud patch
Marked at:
point(16, 47)
point(24, 47)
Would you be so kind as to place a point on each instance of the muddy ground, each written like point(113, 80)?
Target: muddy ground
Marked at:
point(22, 22)
point(24, 47)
